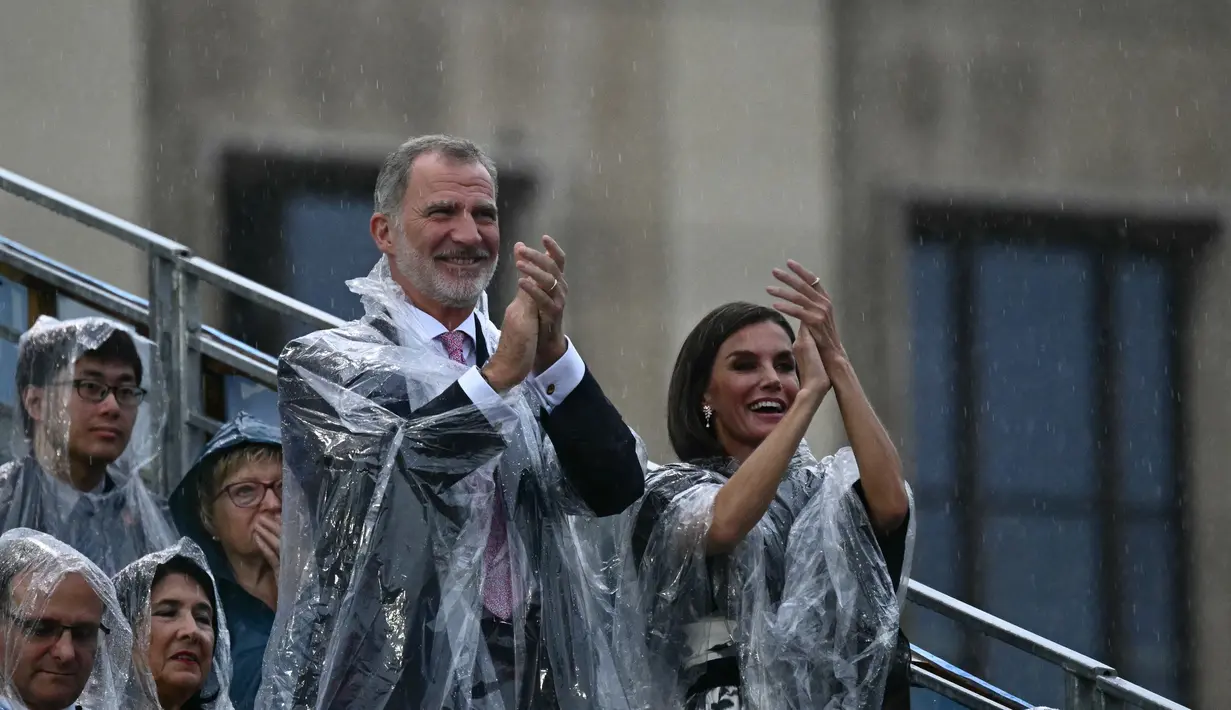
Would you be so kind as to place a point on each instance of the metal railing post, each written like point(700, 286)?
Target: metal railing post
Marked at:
point(188, 331)
point(174, 319)
point(1079, 692)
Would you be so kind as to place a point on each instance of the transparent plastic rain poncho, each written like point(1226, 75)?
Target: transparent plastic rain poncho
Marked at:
point(385, 521)
point(121, 520)
point(134, 587)
point(807, 598)
point(35, 564)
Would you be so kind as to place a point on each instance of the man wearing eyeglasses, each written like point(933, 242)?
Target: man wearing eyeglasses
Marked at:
point(77, 474)
point(59, 624)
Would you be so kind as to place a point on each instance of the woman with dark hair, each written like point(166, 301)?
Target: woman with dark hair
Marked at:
point(767, 578)
point(181, 652)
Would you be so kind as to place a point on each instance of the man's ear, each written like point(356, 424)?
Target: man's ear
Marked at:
point(32, 400)
point(383, 233)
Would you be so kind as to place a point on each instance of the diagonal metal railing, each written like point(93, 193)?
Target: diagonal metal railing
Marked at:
point(172, 311)
point(172, 314)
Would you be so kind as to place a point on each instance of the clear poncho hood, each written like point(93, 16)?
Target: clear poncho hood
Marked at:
point(59, 345)
point(185, 501)
point(134, 588)
point(38, 563)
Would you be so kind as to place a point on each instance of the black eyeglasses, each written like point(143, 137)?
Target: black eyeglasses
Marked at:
point(50, 630)
point(128, 396)
point(246, 494)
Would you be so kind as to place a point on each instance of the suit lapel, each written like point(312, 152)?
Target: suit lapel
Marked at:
point(383, 323)
point(509, 492)
point(480, 343)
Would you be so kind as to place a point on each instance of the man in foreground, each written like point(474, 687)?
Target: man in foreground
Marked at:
point(441, 547)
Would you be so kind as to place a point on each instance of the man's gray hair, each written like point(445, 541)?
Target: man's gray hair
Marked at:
point(395, 173)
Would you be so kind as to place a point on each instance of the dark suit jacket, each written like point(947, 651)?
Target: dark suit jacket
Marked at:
point(363, 635)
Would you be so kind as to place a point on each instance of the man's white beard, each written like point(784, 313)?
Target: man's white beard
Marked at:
point(427, 276)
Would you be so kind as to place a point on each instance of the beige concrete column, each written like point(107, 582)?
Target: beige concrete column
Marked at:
point(72, 88)
point(580, 84)
point(750, 116)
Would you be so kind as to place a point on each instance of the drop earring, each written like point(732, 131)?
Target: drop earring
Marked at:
point(708, 412)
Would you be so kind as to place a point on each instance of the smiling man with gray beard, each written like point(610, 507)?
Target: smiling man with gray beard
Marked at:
point(444, 479)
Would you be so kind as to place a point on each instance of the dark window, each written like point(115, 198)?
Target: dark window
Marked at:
point(14, 318)
point(1050, 470)
point(300, 226)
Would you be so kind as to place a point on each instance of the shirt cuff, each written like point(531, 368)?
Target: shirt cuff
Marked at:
point(486, 399)
point(557, 382)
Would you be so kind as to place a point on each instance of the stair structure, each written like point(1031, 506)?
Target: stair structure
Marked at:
point(210, 376)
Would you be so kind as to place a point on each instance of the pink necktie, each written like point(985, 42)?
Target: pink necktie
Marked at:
point(498, 583)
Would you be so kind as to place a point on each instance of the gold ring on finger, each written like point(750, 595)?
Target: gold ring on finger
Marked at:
point(554, 283)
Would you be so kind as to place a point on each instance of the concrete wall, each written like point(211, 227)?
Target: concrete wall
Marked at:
point(752, 168)
point(655, 135)
point(72, 90)
point(1060, 104)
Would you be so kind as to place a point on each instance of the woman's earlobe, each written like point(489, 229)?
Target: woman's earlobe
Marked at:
point(208, 526)
point(32, 400)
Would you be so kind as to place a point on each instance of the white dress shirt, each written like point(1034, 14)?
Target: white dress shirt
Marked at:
point(552, 385)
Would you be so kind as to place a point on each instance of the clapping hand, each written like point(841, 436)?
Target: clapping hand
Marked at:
point(543, 280)
point(808, 301)
point(812, 375)
point(515, 354)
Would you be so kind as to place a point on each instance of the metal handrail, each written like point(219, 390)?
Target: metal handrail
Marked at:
point(1081, 673)
point(924, 678)
point(174, 275)
point(250, 362)
point(1001, 630)
point(158, 245)
point(89, 215)
point(1135, 695)
point(921, 661)
point(173, 313)
point(63, 279)
point(244, 287)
